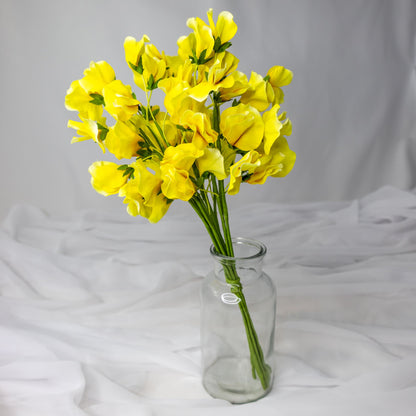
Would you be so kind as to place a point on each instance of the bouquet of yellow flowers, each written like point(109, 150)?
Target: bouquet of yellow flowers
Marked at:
point(219, 129)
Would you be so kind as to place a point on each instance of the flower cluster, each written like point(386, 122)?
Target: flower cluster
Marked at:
point(218, 124)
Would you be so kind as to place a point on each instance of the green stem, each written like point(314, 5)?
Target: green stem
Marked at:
point(223, 245)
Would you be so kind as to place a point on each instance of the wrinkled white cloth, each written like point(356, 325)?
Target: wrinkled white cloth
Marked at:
point(99, 313)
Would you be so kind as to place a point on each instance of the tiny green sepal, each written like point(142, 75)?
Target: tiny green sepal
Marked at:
point(97, 99)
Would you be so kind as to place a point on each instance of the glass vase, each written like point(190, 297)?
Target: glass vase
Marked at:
point(238, 308)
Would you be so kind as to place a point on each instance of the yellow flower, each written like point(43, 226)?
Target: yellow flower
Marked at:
point(174, 169)
point(177, 101)
point(97, 76)
point(212, 161)
point(200, 124)
point(259, 93)
point(88, 129)
point(242, 126)
point(134, 49)
point(176, 183)
point(119, 100)
point(142, 193)
point(279, 76)
point(122, 141)
point(152, 69)
point(199, 43)
point(77, 99)
point(225, 28)
point(215, 76)
point(182, 156)
point(278, 163)
point(245, 166)
point(272, 128)
point(238, 87)
point(106, 178)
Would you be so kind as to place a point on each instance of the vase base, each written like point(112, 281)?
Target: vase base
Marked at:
point(231, 379)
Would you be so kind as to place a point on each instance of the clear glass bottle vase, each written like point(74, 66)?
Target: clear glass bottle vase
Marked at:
point(238, 308)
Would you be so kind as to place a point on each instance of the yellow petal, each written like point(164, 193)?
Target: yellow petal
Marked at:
point(119, 100)
point(212, 161)
point(246, 164)
point(176, 183)
point(242, 126)
point(272, 127)
point(106, 179)
point(259, 94)
point(122, 141)
point(97, 76)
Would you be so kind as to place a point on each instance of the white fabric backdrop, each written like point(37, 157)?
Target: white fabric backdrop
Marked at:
point(99, 314)
point(352, 101)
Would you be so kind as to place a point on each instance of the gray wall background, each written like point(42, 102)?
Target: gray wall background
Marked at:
point(352, 101)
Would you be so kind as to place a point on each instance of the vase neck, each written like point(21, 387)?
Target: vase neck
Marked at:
point(247, 260)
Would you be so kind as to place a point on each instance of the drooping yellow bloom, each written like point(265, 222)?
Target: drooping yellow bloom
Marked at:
point(242, 126)
point(215, 76)
point(86, 130)
point(119, 100)
point(278, 163)
point(212, 161)
point(122, 141)
point(174, 169)
point(77, 99)
point(196, 42)
point(97, 76)
point(246, 165)
point(152, 69)
point(272, 127)
point(200, 124)
point(279, 76)
point(259, 93)
point(106, 178)
point(134, 49)
point(225, 28)
point(238, 87)
point(142, 193)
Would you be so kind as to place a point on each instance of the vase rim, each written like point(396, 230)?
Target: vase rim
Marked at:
point(261, 249)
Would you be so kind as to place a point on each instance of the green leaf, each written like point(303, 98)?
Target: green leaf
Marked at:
point(217, 44)
point(123, 167)
point(97, 99)
point(224, 47)
point(102, 132)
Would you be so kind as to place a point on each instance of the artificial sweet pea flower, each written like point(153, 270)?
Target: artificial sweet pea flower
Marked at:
point(106, 177)
point(278, 77)
point(200, 124)
point(259, 93)
point(119, 100)
point(225, 28)
point(122, 140)
point(143, 194)
point(212, 161)
point(278, 163)
point(242, 126)
point(272, 128)
point(78, 99)
point(97, 76)
point(89, 129)
point(238, 87)
point(199, 44)
point(174, 169)
point(215, 76)
point(151, 70)
point(246, 165)
point(133, 50)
